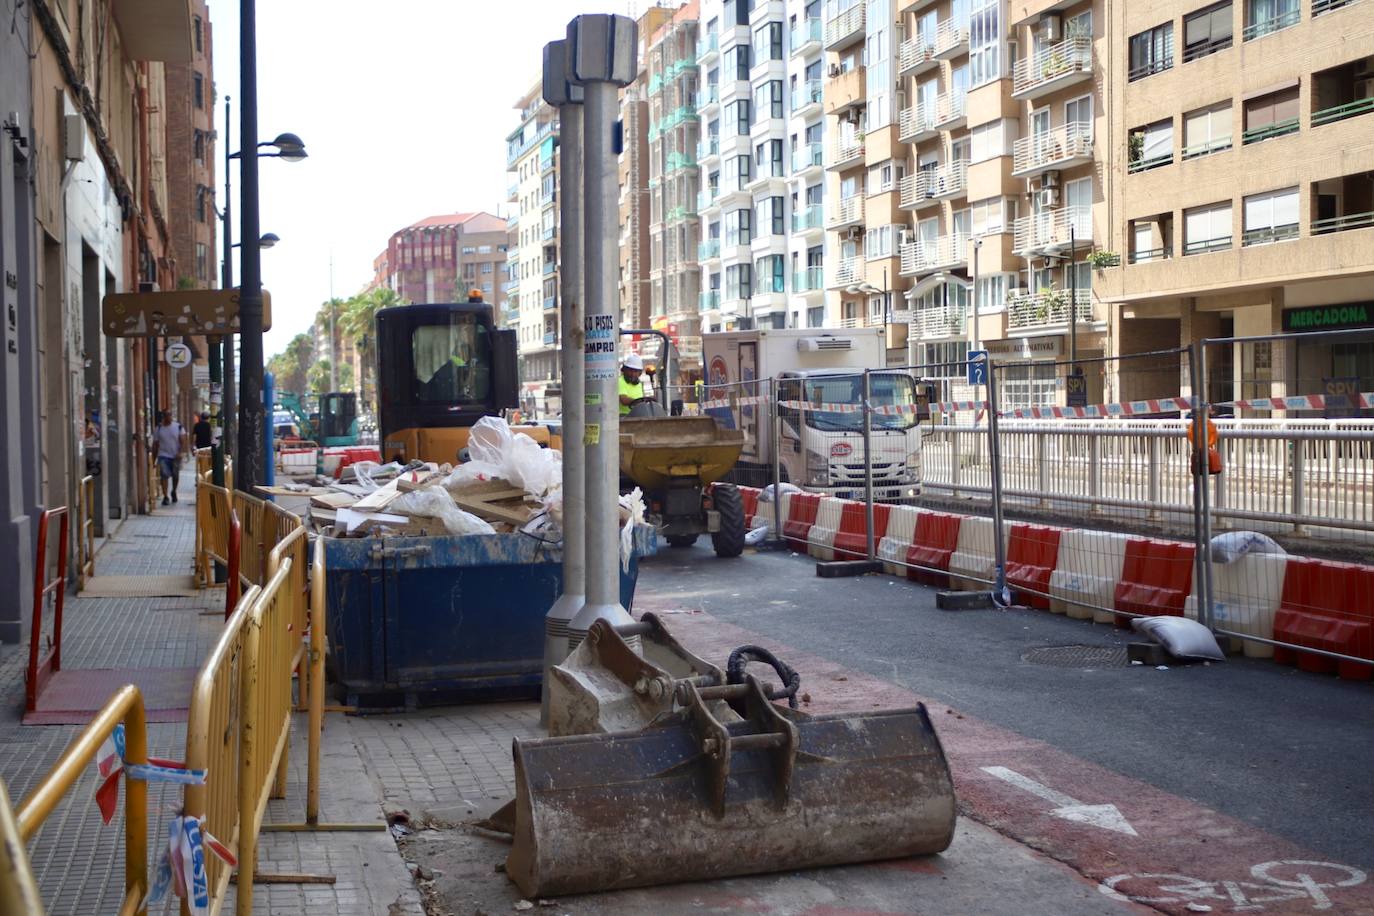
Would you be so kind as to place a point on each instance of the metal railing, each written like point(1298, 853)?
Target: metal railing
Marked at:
point(85, 533)
point(709, 301)
point(1269, 131)
point(1220, 144)
point(950, 35)
point(808, 280)
point(1206, 246)
point(1273, 24)
point(1039, 151)
point(1343, 223)
point(845, 26)
point(1052, 228)
point(1341, 112)
point(843, 152)
point(950, 107)
point(940, 321)
point(916, 52)
point(1268, 235)
point(1149, 254)
point(1326, 6)
point(805, 94)
point(849, 270)
point(949, 180)
point(945, 251)
point(812, 155)
point(1066, 58)
point(1046, 308)
point(915, 122)
point(848, 210)
point(805, 32)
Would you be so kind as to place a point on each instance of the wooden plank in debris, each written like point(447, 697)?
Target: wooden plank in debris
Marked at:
point(333, 500)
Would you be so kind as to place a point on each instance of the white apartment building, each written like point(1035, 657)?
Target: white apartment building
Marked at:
point(806, 145)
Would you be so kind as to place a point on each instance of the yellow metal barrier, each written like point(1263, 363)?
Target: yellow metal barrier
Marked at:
point(18, 890)
point(125, 706)
point(315, 663)
point(295, 546)
point(85, 533)
point(212, 530)
point(212, 739)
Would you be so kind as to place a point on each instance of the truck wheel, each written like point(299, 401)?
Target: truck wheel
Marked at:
point(729, 540)
point(681, 540)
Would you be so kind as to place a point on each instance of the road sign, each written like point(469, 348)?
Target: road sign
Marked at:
point(200, 375)
point(178, 355)
point(977, 367)
point(1077, 387)
point(176, 312)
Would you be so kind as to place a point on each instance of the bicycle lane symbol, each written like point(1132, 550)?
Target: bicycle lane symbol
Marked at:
point(1273, 882)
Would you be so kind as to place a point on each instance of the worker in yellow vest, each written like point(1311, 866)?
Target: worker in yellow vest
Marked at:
point(631, 388)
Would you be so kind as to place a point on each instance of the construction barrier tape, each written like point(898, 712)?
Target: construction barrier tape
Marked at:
point(1305, 402)
point(1124, 409)
point(181, 868)
point(110, 763)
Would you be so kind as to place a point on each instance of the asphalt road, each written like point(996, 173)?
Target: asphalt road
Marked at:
point(1285, 751)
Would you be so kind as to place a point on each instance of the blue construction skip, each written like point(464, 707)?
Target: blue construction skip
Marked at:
point(430, 620)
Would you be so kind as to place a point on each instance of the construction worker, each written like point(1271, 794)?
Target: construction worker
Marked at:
point(630, 387)
point(1213, 453)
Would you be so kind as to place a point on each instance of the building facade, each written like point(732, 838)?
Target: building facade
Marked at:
point(806, 151)
point(443, 258)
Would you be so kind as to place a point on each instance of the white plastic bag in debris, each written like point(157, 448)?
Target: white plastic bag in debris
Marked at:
point(469, 473)
point(365, 473)
point(489, 440)
point(435, 502)
point(536, 470)
point(767, 495)
point(1180, 637)
point(1231, 546)
point(632, 502)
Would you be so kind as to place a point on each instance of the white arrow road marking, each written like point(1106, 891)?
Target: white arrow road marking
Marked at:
point(1070, 809)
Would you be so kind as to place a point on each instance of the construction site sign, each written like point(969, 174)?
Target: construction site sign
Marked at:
point(176, 312)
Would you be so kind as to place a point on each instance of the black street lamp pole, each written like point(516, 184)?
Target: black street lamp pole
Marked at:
point(250, 469)
point(225, 343)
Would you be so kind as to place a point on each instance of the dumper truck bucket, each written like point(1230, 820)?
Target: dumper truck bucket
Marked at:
point(697, 798)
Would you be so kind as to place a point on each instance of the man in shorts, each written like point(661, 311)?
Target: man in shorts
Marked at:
point(170, 440)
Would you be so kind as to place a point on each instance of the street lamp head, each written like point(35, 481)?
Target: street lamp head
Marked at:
point(289, 147)
point(268, 239)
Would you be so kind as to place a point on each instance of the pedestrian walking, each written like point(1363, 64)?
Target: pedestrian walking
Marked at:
point(170, 440)
point(202, 432)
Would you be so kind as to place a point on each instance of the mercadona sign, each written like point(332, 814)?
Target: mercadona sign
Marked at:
point(1329, 317)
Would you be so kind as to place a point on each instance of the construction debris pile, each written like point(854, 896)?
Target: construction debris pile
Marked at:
point(508, 483)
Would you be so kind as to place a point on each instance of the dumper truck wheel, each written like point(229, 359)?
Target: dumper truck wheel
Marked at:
point(681, 540)
point(729, 540)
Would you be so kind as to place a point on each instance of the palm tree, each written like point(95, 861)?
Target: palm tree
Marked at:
point(357, 322)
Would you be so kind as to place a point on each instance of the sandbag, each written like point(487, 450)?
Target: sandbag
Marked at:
point(1181, 637)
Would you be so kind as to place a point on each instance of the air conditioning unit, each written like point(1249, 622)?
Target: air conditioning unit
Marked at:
point(74, 137)
point(834, 70)
point(1051, 27)
point(1050, 179)
point(853, 233)
point(824, 344)
point(1049, 197)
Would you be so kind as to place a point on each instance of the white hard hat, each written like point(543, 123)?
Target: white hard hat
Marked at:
point(634, 362)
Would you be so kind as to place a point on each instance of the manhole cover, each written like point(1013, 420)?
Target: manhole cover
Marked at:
point(1078, 657)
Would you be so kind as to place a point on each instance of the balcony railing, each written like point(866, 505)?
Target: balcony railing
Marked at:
point(708, 46)
point(916, 54)
point(1341, 112)
point(808, 280)
point(950, 109)
point(812, 155)
point(938, 321)
point(850, 322)
point(951, 37)
point(1153, 162)
point(708, 147)
point(843, 152)
point(845, 27)
point(1204, 246)
point(1272, 24)
point(707, 198)
point(1203, 48)
point(679, 161)
point(806, 32)
point(550, 303)
point(710, 248)
point(1270, 131)
point(1146, 255)
point(914, 123)
point(808, 218)
point(1343, 223)
point(1326, 6)
point(1220, 144)
point(848, 211)
point(1269, 234)
point(1150, 67)
point(944, 252)
point(1052, 148)
point(548, 233)
point(550, 267)
point(1067, 61)
point(1053, 229)
point(848, 271)
point(709, 301)
point(806, 94)
point(928, 185)
point(1047, 308)
point(550, 338)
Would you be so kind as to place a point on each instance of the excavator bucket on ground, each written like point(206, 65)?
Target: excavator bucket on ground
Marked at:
point(723, 782)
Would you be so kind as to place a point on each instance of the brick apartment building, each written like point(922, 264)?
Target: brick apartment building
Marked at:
point(441, 258)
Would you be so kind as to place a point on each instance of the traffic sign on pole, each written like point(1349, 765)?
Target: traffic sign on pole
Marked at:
point(977, 367)
point(178, 355)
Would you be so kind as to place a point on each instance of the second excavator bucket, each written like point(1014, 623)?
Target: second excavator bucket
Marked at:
point(703, 795)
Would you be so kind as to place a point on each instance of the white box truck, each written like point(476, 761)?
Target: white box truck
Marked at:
point(820, 450)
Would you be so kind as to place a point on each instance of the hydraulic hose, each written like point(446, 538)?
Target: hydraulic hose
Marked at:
point(791, 680)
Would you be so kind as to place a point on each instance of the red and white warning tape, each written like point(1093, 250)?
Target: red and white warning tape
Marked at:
point(1123, 409)
point(1363, 400)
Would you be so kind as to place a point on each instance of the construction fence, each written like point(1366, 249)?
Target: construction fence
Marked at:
point(1231, 481)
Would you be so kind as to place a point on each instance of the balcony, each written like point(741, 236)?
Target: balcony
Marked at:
point(810, 280)
point(929, 185)
point(845, 91)
point(848, 212)
point(1052, 230)
point(951, 111)
point(1320, 7)
point(547, 233)
point(547, 197)
point(1053, 68)
point(1270, 131)
point(1271, 24)
point(676, 162)
point(1064, 146)
point(708, 148)
point(707, 198)
point(709, 47)
point(806, 97)
point(846, 28)
point(944, 253)
point(915, 124)
point(845, 153)
point(809, 219)
point(708, 249)
point(810, 156)
point(550, 267)
point(1047, 309)
point(940, 321)
point(550, 303)
point(676, 214)
point(806, 35)
point(1146, 255)
point(850, 322)
point(1268, 235)
point(951, 39)
point(916, 55)
point(550, 338)
point(512, 192)
point(849, 271)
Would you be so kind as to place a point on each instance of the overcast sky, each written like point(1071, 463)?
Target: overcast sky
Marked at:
point(404, 108)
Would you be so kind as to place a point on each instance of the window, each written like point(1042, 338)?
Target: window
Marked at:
point(200, 146)
point(202, 261)
point(987, 216)
point(768, 99)
point(1266, 16)
point(1271, 115)
point(198, 90)
point(738, 111)
point(770, 212)
point(1078, 116)
point(879, 241)
point(739, 281)
point(815, 316)
point(769, 273)
point(885, 176)
point(991, 293)
point(468, 249)
point(1152, 51)
point(450, 361)
point(1271, 217)
point(738, 228)
point(1207, 31)
point(197, 30)
point(991, 140)
point(1145, 245)
point(768, 42)
point(1151, 146)
point(737, 62)
point(948, 359)
point(487, 267)
point(985, 45)
point(1207, 228)
point(1207, 130)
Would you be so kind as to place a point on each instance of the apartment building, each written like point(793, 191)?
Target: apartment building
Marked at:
point(532, 255)
point(806, 158)
point(673, 78)
point(444, 257)
point(1241, 180)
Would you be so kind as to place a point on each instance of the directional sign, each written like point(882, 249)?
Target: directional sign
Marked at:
point(178, 355)
point(176, 312)
point(1070, 809)
point(977, 367)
